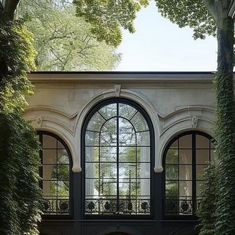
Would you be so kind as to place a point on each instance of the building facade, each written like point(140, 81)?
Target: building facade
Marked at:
point(124, 152)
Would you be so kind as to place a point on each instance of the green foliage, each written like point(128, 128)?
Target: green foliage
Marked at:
point(108, 16)
point(207, 207)
point(19, 187)
point(225, 134)
point(192, 13)
point(63, 41)
point(16, 59)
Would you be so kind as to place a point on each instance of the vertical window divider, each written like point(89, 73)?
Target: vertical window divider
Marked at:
point(118, 158)
point(194, 174)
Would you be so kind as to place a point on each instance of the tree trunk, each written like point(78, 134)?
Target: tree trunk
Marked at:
point(225, 130)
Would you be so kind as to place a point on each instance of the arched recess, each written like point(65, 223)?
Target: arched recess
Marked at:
point(186, 157)
point(55, 122)
point(120, 93)
point(185, 119)
point(117, 154)
point(56, 175)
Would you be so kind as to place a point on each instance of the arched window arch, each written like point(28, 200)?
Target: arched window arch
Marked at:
point(185, 159)
point(55, 173)
point(117, 153)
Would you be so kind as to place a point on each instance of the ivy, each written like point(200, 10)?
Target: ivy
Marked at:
point(20, 194)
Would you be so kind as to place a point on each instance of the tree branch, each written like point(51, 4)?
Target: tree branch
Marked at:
point(9, 9)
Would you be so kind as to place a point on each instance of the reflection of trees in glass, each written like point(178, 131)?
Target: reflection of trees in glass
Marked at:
point(55, 174)
point(186, 159)
point(61, 173)
point(117, 154)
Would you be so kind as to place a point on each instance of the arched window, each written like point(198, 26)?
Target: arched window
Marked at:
point(117, 143)
point(186, 157)
point(55, 173)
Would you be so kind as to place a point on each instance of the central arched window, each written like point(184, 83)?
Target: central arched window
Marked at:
point(117, 157)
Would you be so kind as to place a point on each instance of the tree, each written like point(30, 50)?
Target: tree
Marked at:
point(204, 16)
point(19, 160)
point(63, 41)
point(207, 206)
point(107, 17)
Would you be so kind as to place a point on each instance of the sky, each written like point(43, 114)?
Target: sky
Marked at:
point(159, 45)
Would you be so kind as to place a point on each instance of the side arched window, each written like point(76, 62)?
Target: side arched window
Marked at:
point(118, 147)
point(55, 173)
point(186, 157)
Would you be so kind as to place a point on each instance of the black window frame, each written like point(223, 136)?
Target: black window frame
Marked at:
point(194, 133)
point(90, 114)
point(70, 213)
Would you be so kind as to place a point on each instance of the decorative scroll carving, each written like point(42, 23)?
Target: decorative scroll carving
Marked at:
point(194, 121)
point(117, 89)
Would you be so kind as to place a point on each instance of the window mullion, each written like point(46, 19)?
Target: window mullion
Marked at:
point(117, 158)
point(194, 181)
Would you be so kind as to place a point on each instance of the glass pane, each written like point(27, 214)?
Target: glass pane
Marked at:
point(63, 172)
point(143, 154)
point(49, 172)
point(139, 122)
point(185, 172)
point(109, 111)
point(200, 171)
point(126, 111)
point(108, 187)
point(185, 156)
point(175, 144)
point(60, 145)
point(127, 154)
point(48, 141)
point(95, 122)
point(108, 134)
point(92, 187)
point(171, 189)
point(127, 188)
point(127, 134)
point(199, 186)
point(92, 154)
point(49, 157)
point(127, 170)
point(202, 141)
point(49, 188)
point(143, 188)
point(63, 188)
point(92, 170)
point(202, 156)
point(92, 138)
point(108, 170)
point(185, 189)
point(108, 154)
point(143, 138)
point(143, 170)
point(63, 157)
point(172, 156)
point(172, 172)
point(185, 141)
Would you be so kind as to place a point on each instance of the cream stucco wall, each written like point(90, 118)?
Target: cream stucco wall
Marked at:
point(175, 102)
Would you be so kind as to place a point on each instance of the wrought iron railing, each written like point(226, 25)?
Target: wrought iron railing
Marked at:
point(111, 206)
point(56, 206)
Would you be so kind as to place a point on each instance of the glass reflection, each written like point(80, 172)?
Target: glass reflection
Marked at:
point(118, 164)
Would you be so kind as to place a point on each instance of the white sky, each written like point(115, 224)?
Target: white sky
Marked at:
point(159, 45)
